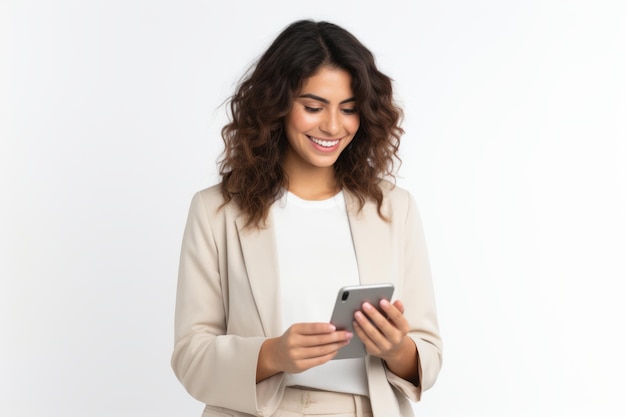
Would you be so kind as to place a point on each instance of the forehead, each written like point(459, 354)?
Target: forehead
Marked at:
point(330, 83)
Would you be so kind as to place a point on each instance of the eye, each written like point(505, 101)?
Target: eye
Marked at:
point(349, 111)
point(312, 109)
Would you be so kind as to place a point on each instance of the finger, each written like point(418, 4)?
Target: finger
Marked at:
point(313, 328)
point(371, 347)
point(329, 338)
point(370, 332)
point(360, 333)
point(313, 341)
point(378, 319)
point(322, 350)
point(310, 362)
point(394, 314)
point(391, 330)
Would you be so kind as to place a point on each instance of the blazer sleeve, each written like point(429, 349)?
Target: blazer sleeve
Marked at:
point(216, 368)
point(419, 301)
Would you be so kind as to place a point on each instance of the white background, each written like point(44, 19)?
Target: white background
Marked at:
point(515, 151)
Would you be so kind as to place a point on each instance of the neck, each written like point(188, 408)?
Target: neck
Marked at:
point(312, 191)
point(312, 183)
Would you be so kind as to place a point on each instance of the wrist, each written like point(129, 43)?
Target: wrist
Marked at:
point(403, 362)
point(267, 365)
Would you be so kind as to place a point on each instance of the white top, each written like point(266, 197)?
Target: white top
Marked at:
point(315, 259)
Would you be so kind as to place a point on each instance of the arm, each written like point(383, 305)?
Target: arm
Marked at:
point(214, 367)
point(407, 339)
point(421, 311)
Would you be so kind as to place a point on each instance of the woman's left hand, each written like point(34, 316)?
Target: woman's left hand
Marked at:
point(385, 336)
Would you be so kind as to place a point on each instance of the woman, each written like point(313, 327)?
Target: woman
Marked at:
point(302, 209)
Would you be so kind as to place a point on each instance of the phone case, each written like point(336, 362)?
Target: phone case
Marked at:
point(349, 300)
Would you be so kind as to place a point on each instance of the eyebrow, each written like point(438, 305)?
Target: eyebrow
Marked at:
point(325, 101)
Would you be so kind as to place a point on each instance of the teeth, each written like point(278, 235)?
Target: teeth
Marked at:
point(324, 143)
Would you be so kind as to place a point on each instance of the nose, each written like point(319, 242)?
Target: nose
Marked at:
point(330, 124)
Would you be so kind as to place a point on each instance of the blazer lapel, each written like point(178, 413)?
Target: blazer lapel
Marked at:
point(374, 249)
point(258, 246)
point(371, 238)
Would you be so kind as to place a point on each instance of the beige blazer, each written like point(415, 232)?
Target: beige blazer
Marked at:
point(227, 303)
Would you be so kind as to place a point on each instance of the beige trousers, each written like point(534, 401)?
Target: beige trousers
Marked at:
point(300, 402)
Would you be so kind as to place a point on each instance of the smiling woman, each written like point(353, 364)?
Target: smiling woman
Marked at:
point(255, 142)
point(303, 209)
point(321, 124)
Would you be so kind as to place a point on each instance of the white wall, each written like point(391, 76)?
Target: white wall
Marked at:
point(515, 150)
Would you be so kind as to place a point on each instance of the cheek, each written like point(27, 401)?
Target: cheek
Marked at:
point(300, 121)
point(353, 125)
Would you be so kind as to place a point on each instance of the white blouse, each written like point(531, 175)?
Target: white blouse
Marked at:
point(316, 258)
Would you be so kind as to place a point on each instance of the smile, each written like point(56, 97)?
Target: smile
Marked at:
point(324, 143)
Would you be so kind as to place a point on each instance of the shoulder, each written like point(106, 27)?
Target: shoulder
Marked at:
point(397, 204)
point(395, 198)
point(393, 191)
point(210, 196)
point(210, 201)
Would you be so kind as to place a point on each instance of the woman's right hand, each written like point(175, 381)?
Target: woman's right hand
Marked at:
point(301, 347)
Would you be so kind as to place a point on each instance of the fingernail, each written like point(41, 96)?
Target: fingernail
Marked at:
point(367, 306)
point(384, 303)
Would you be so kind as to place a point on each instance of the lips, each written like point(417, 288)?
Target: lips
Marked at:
point(324, 142)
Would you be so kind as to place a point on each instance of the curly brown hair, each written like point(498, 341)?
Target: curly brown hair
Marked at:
point(254, 139)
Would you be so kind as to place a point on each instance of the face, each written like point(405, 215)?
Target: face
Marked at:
point(322, 121)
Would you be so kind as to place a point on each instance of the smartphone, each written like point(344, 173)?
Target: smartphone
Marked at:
point(349, 301)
